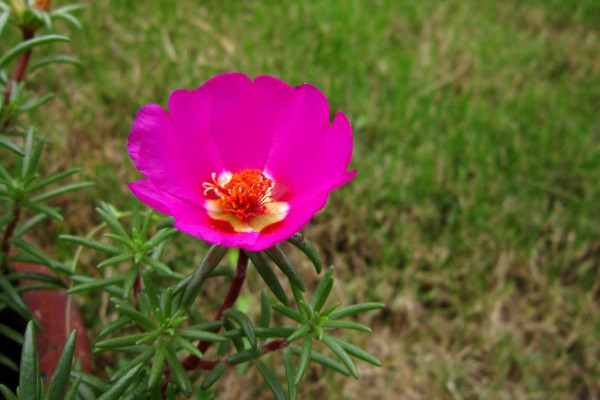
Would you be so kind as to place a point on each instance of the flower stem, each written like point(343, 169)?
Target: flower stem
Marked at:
point(8, 233)
point(20, 69)
point(233, 293)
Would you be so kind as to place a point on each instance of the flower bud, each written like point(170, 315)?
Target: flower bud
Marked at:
point(44, 5)
point(17, 7)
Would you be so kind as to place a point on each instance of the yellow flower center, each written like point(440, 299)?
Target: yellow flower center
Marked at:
point(244, 200)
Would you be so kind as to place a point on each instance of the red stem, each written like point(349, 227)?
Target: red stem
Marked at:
point(8, 233)
point(235, 287)
point(21, 67)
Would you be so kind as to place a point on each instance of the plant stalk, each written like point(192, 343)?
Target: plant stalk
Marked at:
point(8, 233)
point(20, 68)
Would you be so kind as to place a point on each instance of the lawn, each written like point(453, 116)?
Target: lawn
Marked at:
point(475, 215)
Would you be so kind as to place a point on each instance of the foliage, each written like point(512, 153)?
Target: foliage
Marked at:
point(160, 334)
point(31, 386)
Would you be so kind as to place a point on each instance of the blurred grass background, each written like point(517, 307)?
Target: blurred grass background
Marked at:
point(475, 213)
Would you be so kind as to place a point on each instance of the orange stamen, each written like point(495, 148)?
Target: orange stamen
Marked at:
point(244, 195)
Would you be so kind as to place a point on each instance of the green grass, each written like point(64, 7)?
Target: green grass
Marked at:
point(475, 214)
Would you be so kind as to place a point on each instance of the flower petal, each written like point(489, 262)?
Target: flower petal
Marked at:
point(325, 168)
point(190, 113)
point(157, 153)
point(299, 126)
point(235, 137)
point(144, 190)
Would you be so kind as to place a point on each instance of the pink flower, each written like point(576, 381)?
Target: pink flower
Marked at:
point(240, 163)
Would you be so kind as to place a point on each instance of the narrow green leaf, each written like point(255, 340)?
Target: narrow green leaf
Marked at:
point(301, 332)
point(244, 322)
point(212, 258)
point(8, 395)
point(121, 341)
point(213, 376)
point(158, 364)
point(108, 215)
point(35, 276)
point(90, 380)
point(355, 309)
point(28, 45)
point(12, 334)
point(124, 240)
point(41, 257)
point(69, 8)
point(115, 260)
point(358, 353)
point(275, 331)
point(244, 355)
point(56, 59)
point(181, 377)
point(29, 152)
point(24, 227)
point(30, 287)
point(15, 301)
point(114, 325)
point(150, 291)
point(289, 312)
point(62, 372)
point(237, 342)
point(73, 390)
point(44, 209)
point(265, 309)
point(290, 375)
point(157, 265)
point(10, 145)
point(92, 244)
point(330, 309)
point(61, 190)
point(322, 291)
point(346, 325)
point(135, 315)
point(150, 337)
point(285, 265)
point(332, 343)
point(135, 219)
point(7, 362)
point(3, 20)
point(116, 390)
point(131, 277)
point(54, 178)
point(140, 359)
point(304, 359)
point(323, 360)
point(96, 284)
point(29, 377)
point(308, 248)
point(205, 326)
point(268, 275)
point(34, 103)
point(272, 332)
point(271, 380)
point(69, 18)
point(187, 346)
point(194, 334)
point(160, 237)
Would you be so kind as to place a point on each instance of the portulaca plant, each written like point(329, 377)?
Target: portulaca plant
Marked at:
point(240, 164)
